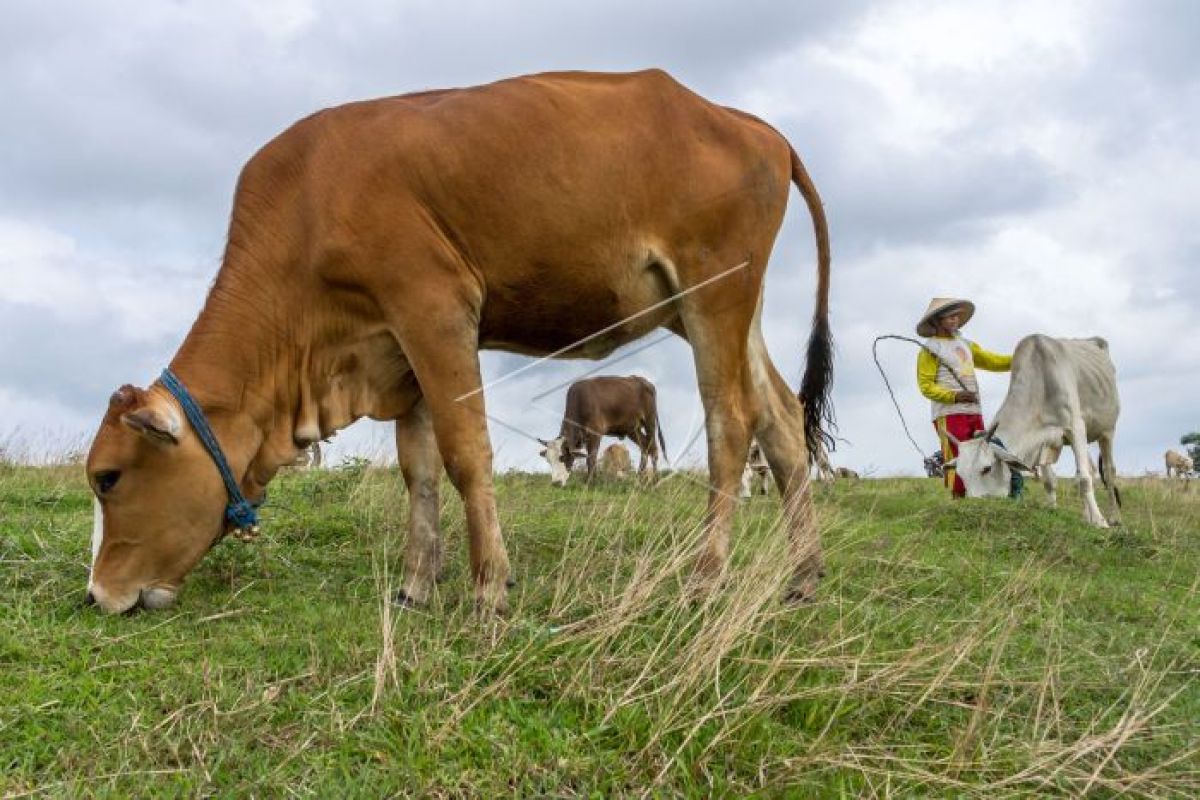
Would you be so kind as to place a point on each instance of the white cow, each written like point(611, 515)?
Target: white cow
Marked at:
point(756, 471)
point(1063, 392)
point(1178, 464)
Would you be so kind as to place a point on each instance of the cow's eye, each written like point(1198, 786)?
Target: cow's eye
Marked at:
point(986, 470)
point(106, 480)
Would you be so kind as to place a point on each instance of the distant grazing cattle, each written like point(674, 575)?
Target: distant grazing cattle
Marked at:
point(615, 462)
point(605, 406)
point(1178, 464)
point(756, 472)
point(846, 473)
point(819, 463)
point(935, 465)
point(310, 457)
point(1062, 392)
point(376, 247)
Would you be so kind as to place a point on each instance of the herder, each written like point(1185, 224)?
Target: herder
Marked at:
point(955, 409)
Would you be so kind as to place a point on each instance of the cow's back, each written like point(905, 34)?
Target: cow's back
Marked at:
point(1071, 375)
point(536, 189)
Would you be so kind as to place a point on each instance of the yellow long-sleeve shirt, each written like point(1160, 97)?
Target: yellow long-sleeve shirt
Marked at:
point(938, 384)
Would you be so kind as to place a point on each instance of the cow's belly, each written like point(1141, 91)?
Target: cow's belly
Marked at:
point(586, 312)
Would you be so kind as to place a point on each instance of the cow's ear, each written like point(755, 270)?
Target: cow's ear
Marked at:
point(544, 442)
point(1009, 458)
point(156, 421)
point(949, 464)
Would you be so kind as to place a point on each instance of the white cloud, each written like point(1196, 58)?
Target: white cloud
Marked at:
point(1037, 157)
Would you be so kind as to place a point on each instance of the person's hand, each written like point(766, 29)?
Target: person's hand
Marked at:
point(966, 397)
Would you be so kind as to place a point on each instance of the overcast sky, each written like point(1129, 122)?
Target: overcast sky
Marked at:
point(1039, 158)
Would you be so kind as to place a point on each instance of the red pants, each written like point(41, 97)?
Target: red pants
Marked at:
point(961, 427)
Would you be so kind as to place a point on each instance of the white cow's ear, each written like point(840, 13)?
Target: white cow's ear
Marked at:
point(1009, 458)
point(544, 442)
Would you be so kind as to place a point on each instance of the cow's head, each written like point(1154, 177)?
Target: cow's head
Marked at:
point(986, 467)
point(560, 457)
point(159, 501)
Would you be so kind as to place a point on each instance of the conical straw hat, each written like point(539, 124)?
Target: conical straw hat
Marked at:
point(940, 305)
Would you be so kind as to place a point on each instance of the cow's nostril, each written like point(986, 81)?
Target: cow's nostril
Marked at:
point(89, 599)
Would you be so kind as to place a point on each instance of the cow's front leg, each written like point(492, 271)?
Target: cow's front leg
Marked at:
point(1050, 483)
point(593, 451)
point(1083, 466)
point(421, 466)
point(446, 363)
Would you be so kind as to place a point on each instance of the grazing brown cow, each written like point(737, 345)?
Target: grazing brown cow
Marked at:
point(605, 406)
point(375, 247)
point(615, 461)
point(1178, 464)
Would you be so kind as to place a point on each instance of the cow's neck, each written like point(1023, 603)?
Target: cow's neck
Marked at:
point(1022, 436)
point(274, 382)
point(234, 364)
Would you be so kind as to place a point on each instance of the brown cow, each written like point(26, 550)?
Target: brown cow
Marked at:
point(605, 406)
point(375, 247)
point(615, 462)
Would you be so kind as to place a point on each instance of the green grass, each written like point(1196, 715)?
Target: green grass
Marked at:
point(984, 648)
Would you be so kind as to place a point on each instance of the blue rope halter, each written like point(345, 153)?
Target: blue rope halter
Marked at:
point(240, 512)
point(1016, 481)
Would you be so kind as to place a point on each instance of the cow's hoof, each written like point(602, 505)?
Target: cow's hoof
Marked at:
point(802, 591)
point(796, 597)
point(404, 600)
point(488, 610)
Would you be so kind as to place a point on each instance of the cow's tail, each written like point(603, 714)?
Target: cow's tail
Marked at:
point(818, 371)
point(662, 443)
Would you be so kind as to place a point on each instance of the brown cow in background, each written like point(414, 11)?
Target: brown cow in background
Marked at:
point(605, 406)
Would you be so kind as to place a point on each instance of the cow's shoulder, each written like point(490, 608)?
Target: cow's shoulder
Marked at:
point(1036, 350)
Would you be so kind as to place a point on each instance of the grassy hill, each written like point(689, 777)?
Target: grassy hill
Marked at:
point(983, 648)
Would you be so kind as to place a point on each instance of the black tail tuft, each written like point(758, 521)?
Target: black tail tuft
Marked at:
point(816, 387)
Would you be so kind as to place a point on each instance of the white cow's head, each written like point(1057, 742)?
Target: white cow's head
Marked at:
point(986, 468)
point(560, 457)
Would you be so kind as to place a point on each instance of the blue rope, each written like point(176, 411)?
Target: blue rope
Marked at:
point(240, 512)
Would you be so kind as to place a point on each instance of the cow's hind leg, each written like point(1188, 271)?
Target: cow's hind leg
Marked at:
point(717, 333)
point(780, 431)
point(421, 466)
point(1108, 474)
